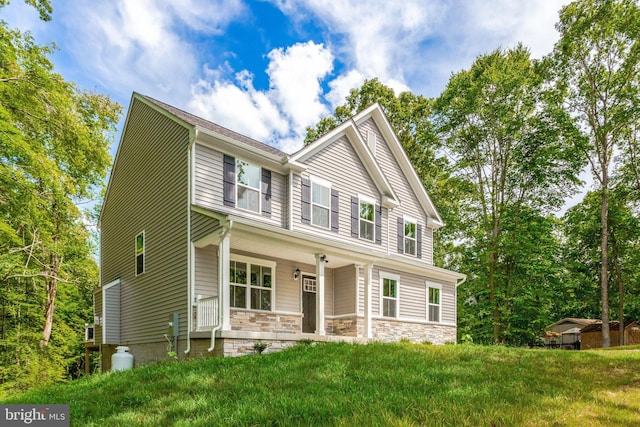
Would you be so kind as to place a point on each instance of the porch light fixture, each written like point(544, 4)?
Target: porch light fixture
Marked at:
point(296, 274)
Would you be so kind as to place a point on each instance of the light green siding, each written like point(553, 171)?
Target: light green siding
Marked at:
point(148, 192)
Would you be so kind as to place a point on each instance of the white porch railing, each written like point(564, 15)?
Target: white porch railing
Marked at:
point(207, 312)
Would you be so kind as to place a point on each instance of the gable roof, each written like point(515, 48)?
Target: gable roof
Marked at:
point(613, 326)
point(575, 320)
point(200, 123)
point(350, 128)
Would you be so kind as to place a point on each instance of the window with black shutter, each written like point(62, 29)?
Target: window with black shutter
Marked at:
point(229, 181)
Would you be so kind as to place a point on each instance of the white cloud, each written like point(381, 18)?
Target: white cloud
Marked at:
point(295, 74)
point(415, 44)
point(279, 115)
point(237, 106)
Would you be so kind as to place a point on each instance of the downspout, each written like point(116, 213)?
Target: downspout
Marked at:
point(220, 285)
point(190, 268)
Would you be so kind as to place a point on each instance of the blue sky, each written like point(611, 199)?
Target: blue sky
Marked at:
point(269, 69)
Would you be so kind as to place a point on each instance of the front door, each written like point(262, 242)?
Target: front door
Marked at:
point(309, 304)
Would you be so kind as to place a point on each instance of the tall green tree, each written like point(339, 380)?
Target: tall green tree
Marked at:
point(598, 65)
point(515, 146)
point(582, 230)
point(54, 154)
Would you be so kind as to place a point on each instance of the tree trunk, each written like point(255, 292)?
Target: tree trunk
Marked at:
point(497, 332)
point(618, 275)
point(604, 268)
point(52, 289)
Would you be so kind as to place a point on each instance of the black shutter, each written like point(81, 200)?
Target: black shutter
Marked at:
point(419, 241)
point(355, 217)
point(306, 201)
point(335, 218)
point(400, 235)
point(266, 192)
point(378, 219)
point(229, 181)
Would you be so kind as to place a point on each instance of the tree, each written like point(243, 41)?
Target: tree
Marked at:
point(54, 153)
point(582, 254)
point(598, 64)
point(42, 6)
point(515, 146)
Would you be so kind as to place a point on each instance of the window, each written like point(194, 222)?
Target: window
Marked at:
point(140, 253)
point(260, 287)
point(367, 217)
point(389, 297)
point(410, 236)
point(320, 203)
point(248, 179)
point(251, 284)
point(434, 304)
point(238, 285)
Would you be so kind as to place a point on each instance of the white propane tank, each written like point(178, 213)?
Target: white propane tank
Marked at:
point(122, 360)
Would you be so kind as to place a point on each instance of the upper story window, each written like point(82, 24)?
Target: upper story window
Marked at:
point(367, 218)
point(390, 296)
point(320, 203)
point(434, 303)
point(410, 236)
point(248, 180)
point(251, 283)
point(140, 253)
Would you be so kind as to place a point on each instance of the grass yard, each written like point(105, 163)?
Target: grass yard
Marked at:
point(365, 385)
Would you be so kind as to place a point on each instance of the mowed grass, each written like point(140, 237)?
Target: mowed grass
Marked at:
point(365, 385)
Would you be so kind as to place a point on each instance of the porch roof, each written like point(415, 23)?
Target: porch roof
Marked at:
point(298, 246)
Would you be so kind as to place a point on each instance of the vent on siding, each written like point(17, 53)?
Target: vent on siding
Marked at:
point(371, 141)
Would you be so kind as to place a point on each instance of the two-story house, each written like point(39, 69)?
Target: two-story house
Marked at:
point(211, 241)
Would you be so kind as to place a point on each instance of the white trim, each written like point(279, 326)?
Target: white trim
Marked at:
point(326, 184)
point(368, 290)
point(259, 262)
point(411, 220)
point(310, 240)
point(342, 316)
point(320, 181)
point(370, 201)
point(277, 312)
point(104, 308)
point(429, 304)
point(391, 276)
point(238, 185)
point(372, 140)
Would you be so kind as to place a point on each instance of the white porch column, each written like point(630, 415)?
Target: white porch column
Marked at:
point(368, 269)
point(320, 260)
point(223, 278)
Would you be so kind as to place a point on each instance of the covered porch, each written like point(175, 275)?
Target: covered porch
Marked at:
point(256, 283)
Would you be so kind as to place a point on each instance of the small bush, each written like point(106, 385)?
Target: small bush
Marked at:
point(260, 346)
point(305, 341)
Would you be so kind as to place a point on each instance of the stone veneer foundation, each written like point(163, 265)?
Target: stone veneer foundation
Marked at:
point(388, 330)
point(263, 321)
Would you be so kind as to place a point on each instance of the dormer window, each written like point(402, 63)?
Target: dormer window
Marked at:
point(248, 180)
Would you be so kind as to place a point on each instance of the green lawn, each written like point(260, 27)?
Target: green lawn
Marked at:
point(362, 385)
